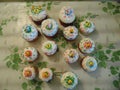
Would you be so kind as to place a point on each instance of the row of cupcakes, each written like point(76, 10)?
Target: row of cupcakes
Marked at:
point(68, 79)
point(49, 48)
point(49, 27)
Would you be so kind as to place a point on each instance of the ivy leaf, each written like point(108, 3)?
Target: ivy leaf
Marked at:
point(102, 64)
point(113, 70)
point(108, 51)
point(116, 84)
point(105, 9)
point(24, 86)
point(38, 88)
point(97, 88)
point(42, 64)
point(99, 46)
point(8, 64)
point(110, 5)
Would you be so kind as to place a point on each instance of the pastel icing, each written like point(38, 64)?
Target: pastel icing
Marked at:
point(29, 32)
point(29, 73)
point(87, 27)
point(87, 45)
point(69, 80)
point(49, 47)
point(89, 64)
point(38, 13)
point(67, 15)
point(70, 32)
point(30, 54)
point(71, 55)
point(49, 27)
point(45, 74)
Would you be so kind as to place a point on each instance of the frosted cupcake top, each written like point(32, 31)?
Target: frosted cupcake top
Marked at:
point(89, 64)
point(29, 54)
point(49, 47)
point(45, 74)
point(71, 55)
point(87, 45)
point(29, 73)
point(67, 15)
point(38, 13)
point(87, 27)
point(70, 32)
point(69, 80)
point(29, 32)
point(49, 27)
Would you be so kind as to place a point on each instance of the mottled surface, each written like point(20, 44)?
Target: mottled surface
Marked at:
point(107, 30)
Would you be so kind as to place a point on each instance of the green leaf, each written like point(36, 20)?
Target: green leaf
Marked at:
point(99, 46)
point(111, 46)
point(105, 9)
point(74, 45)
point(108, 51)
point(38, 88)
point(8, 64)
point(48, 7)
point(53, 69)
point(15, 49)
point(63, 45)
point(116, 84)
point(1, 33)
point(113, 70)
point(42, 64)
point(15, 66)
point(43, 5)
point(110, 5)
point(97, 88)
point(24, 86)
point(102, 64)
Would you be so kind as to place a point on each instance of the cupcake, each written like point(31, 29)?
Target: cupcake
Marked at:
point(45, 74)
point(69, 80)
point(29, 73)
point(49, 27)
point(66, 16)
point(29, 32)
point(30, 54)
point(70, 32)
point(89, 64)
point(71, 55)
point(87, 27)
point(49, 47)
point(38, 14)
point(86, 45)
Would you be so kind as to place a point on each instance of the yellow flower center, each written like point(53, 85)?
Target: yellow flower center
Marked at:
point(69, 81)
point(87, 24)
point(27, 73)
point(71, 54)
point(71, 30)
point(45, 75)
point(48, 46)
point(91, 63)
point(28, 53)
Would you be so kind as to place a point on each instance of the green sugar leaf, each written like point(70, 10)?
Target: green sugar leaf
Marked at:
point(116, 84)
point(43, 5)
point(15, 66)
point(15, 49)
point(105, 9)
point(113, 70)
point(24, 86)
point(111, 46)
point(74, 45)
point(1, 33)
point(53, 69)
point(99, 46)
point(8, 64)
point(42, 64)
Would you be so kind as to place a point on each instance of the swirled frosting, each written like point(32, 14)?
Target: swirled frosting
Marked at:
point(67, 15)
point(49, 27)
point(69, 80)
point(89, 64)
point(29, 32)
point(70, 32)
point(87, 45)
point(49, 47)
point(29, 54)
point(87, 27)
point(38, 13)
point(29, 73)
point(45, 74)
point(71, 55)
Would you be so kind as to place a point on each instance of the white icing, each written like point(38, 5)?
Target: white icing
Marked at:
point(49, 51)
point(40, 16)
point(86, 66)
point(32, 71)
point(68, 35)
point(53, 30)
point(45, 70)
point(31, 35)
point(65, 84)
point(66, 18)
point(87, 30)
point(71, 59)
point(86, 50)
point(33, 56)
